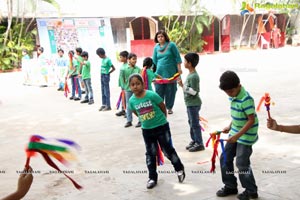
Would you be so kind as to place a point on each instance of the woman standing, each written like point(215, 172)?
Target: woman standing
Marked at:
point(167, 59)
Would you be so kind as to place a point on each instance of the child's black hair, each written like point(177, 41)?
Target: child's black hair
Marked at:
point(136, 75)
point(71, 52)
point(79, 50)
point(131, 55)
point(100, 51)
point(193, 58)
point(85, 54)
point(60, 50)
point(41, 49)
point(229, 80)
point(147, 62)
point(124, 54)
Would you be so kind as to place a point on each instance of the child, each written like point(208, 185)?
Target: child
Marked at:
point(26, 67)
point(73, 75)
point(192, 101)
point(147, 73)
point(242, 135)
point(123, 56)
point(151, 110)
point(61, 67)
point(86, 78)
point(24, 183)
point(106, 69)
point(272, 124)
point(131, 68)
point(42, 63)
point(79, 59)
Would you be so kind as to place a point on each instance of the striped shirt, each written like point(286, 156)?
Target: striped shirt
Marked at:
point(241, 106)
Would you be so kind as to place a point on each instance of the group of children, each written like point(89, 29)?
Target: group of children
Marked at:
point(141, 100)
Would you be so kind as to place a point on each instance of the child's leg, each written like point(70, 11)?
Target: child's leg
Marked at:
point(89, 88)
point(165, 141)
point(85, 82)
point(128, 94)
point(227, 169)
point(195, 129)
point(243, 153)
point(151, 152)
point(103, 89)
point(73, 84)
point(78, 86)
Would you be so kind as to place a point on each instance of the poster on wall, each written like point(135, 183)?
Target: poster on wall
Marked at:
point(69, 33)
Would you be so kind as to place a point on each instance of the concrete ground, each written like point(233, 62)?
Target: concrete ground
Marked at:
point(111, 164)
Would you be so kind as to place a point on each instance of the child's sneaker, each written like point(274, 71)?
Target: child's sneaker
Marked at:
point(101, 108)
point(91, 102)
point(190, 145)
point(246, 195)
point(181, 176)
point(151, 184)
point(197, 147)
point(122, 112)
point(225, 191)
point(84, 101)
point(106, 109)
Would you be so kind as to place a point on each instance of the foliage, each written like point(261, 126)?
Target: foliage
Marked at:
point(11, 50)
point(186, 29)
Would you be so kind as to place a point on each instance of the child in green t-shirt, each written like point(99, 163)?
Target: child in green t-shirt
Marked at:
point(123, 56)
point(192, 101)
point(151, 110)
point(86, 78)
point(106, 69)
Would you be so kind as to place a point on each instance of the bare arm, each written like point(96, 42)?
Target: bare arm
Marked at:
point(24, 183)
point(112, 69)
point(163, 108)
point(272, 124)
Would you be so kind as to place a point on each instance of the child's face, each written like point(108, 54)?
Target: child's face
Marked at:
point(132, 61)
point(234, 91)
point(85, 58)
point(60, 53)
point(101, 56)
point(136, 86)
point(187, 64)
point(122, 59)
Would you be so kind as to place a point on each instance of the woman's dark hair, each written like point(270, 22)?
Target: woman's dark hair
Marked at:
point(135, 75)
point(147, 62)
point(164, 34)
point(229, 80)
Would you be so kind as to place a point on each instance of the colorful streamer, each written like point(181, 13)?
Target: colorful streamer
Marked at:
point(39, 144)
point(145, 78)
point(215, 138)
point(167, 80)
point(66, 89)
point(160, 157)
point(121, 100)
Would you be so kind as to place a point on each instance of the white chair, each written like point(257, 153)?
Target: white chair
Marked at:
point(263, 41)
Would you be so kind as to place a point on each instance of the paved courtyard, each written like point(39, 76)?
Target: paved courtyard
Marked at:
point(111, 164)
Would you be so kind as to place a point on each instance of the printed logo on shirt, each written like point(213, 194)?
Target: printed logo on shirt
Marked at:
point(146, 110)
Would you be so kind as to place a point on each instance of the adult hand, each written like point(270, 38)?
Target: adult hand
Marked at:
point(24, 182)
point(272, 124)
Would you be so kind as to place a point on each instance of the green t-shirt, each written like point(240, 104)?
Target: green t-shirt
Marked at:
point(149, 113)
point(128, 70)
point(121, 79)
point(106, 65)
point(241, 106)
point(192, 82)
point(151, 75)
point(79, 60)
point(86, 70)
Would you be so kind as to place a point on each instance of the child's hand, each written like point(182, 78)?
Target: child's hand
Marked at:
point(232, 139)
point(226, 129)
point(179, 81)
point(24, 182)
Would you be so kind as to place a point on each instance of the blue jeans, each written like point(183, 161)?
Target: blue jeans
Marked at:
point(75, 86)
point(128, 94)
point(89, 90)
point(167, 92)
point(193, 119)
point(242, 154)
point(161, 135)
point(105, 78)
